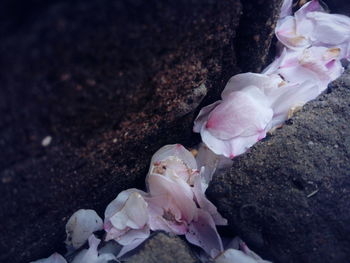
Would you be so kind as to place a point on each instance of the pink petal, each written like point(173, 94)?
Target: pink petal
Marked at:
point(242, 113)
point(203, 116)
point(133, 214)
point(180, 192)
point(286, 32)
point(289, 96)
point(203, 233)
point(229, 148)
point(330, 28)
point(118, 203)
point(240, 82)
point(166, 215)
point(205, 204)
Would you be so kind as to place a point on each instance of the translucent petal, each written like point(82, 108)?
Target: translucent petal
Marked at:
point(54, 258)
point(203, 233)
point(81, 225)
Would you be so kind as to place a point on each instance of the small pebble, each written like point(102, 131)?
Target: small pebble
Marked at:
point(46, 141)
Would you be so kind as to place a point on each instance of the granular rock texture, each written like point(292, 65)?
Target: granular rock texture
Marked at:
point(288, 198)
point(110, 82)
point(163, 248)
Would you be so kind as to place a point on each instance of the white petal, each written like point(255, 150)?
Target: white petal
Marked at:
point(54, 258)
point(203, 116)
point(133, 214)
point(205, 204)
point(91, 255)
point(203, 233)
point(211, 162)
point(81, 225)
point(232, 255)
point(175, 150)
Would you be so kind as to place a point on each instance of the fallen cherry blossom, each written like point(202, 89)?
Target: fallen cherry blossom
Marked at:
point(311, 25)
point(177, 203)
point(174, 172)
point(81, 225)
point(251, 105)
point(126, 220)
point(320, 65)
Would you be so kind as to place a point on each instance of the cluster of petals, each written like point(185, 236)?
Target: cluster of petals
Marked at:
point(254, 103)
point(175, 202)
point(312, 26)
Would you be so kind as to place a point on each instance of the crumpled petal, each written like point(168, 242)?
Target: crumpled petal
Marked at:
point(54, 258)
point(133, 239)
point(289, 97)
point(175, 150)
point(166, 215)
point(211, 162)
point(286, 33)
point(286, 9)
point(91, 255)
point(233, 255)
point(318, 64)
point(205, 204)
point(202, 232)
point(81, 225)
point(126, 218)
point(203, 115)
point(178, 190)
point(242, 113)
point(238, 251)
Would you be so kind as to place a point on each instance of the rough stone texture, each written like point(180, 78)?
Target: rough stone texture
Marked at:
point(288, 198)
point(111, 82)
point(164, 248)
point(254, 37)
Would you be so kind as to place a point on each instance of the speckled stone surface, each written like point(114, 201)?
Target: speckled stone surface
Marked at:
point(163, 248)
point(288, 198)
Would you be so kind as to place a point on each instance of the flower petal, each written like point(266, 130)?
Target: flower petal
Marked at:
point(54, 258)
point(205, 204)
point(203, 233)
point(81, 225)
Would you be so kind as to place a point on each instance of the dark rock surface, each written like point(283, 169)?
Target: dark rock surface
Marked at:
point(163, 248)
point(288, 198)
point(110, 82)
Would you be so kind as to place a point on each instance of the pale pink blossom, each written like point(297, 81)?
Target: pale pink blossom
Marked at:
point(126, 220)
point(91, 255)
point(177, 203)
point(251, 105)
point(54, 258)
point(310, 25)
point(174, 170)
point(320, 65)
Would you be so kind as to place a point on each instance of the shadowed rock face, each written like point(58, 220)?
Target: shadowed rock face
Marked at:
point(289, 196)
point(110, 82)
point(164, 248)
